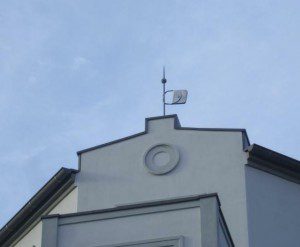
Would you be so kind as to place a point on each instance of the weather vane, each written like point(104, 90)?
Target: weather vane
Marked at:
point(179, 96)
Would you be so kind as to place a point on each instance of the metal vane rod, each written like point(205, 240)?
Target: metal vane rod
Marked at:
point(164, 81)
point(179, 96)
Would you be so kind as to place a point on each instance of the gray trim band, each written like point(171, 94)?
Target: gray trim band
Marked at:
point(140, 205)
point(177, 126)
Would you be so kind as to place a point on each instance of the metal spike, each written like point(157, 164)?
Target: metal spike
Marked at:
point(164, 80)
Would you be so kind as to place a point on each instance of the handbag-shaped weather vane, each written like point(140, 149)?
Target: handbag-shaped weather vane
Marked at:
point(179, 96)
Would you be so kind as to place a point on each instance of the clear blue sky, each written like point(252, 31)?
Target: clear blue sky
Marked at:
point(74, 74)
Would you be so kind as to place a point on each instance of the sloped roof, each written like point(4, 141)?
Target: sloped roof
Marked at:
point(62, 179)
point(274, 163)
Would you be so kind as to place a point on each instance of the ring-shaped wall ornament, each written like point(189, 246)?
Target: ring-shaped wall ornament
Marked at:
point(161, 158)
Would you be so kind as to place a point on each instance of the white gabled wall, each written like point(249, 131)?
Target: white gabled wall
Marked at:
point(34, 237)
point(210, 162)
point(67, 205)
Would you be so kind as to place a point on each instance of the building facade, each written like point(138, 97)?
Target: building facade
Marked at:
point(166, 186)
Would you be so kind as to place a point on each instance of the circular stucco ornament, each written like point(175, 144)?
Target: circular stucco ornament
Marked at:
point(161, 159)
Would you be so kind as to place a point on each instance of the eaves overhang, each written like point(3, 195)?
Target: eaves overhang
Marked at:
point(28, 213)
point(274, 163)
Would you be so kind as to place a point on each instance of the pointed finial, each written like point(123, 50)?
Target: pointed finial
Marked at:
point(164, 80)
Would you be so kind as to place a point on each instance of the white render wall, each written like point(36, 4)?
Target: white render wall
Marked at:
point(34, 237)
point(273, 210)
point(210, 161)
point(121, 230)
point(67, 205)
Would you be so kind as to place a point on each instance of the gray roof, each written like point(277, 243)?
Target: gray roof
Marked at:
point(274, 163)
point(27, 214)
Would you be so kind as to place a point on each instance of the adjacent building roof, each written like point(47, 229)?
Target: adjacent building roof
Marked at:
point(274, 163)
point(38, 203)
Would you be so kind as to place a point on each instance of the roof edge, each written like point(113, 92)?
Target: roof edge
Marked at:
point(62, 177)
point(139, 205)
point(274, 163)
point(177, 126)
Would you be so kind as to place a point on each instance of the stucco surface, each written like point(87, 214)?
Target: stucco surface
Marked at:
point(34, 236)
point(273, 210)
point(210, 161)
point(134, 228)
